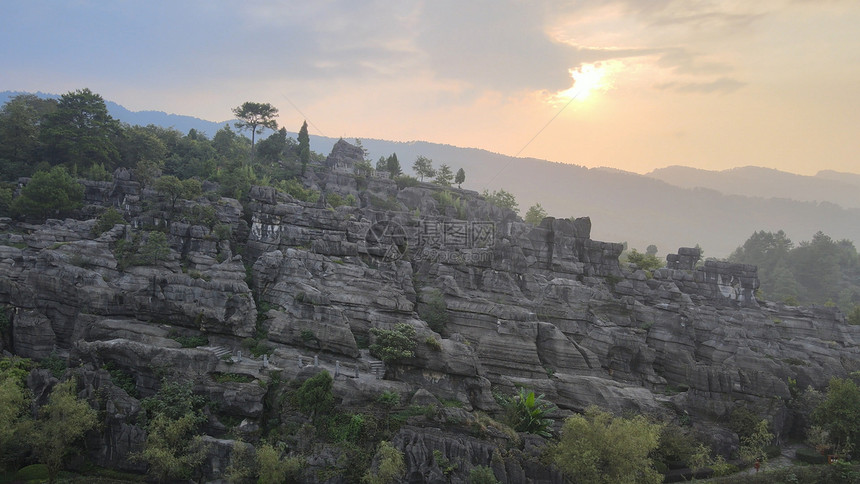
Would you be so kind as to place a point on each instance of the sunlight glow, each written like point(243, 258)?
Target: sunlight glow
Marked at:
point(587, 79)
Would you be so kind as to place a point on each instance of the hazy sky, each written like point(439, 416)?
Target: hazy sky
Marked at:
point(711, 84)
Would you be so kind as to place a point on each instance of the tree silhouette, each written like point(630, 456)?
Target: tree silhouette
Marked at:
point(256, 117)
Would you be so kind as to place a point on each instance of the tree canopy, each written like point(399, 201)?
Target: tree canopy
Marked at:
point(460, 177)
point(444, 176)
point(535, 215)
point(423, 167)
point(597, 448)
point(502, 199)
point(819, 271)
point(54, 192)
point(255, 117)
point(304, 147)
point(80, 132)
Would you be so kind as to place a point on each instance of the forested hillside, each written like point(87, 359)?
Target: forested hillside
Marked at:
point(626, 207)
point(820, 271)
point(177, 308)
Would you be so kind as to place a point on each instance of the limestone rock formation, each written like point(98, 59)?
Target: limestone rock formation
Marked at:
point(274, 290)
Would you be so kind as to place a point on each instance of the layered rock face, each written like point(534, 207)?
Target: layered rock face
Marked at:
point(543, 307)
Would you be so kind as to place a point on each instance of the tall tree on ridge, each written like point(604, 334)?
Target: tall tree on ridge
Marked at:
point(460, 178)
point(423, 166)
point(256, 117)
point(304, 147)
point(81, 132)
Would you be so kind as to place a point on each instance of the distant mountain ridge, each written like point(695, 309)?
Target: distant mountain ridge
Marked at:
point(718, 210)
point(830, 186)
point(159, 118)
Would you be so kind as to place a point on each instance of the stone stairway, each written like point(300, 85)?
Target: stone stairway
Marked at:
point(219, 351)
point(377, 368)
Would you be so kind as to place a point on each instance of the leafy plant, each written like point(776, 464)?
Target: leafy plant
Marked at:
point(389, 399)
point(597, 448)
point(314, 395)
point(191, 341)
point(753, 446)
point(121, 378)
point(444, 463)
point(646, 262)
point(62, 422)
point(434, 310)
point(107, 220)
point(392, 465)
point(527, 412)
point(56, 364)
point(393, 344)
point(482, 475)
point(433, 343)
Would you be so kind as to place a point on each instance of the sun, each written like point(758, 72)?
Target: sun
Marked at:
point(587, 79)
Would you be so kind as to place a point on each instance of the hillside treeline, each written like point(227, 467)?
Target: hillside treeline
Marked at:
point(77, 133)
point(820, 271)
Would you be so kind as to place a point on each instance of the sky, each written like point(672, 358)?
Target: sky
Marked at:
point(630, 84)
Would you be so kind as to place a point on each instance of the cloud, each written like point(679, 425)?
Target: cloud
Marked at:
point(721, 86)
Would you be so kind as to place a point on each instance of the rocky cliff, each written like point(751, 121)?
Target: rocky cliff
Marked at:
point(275, 289)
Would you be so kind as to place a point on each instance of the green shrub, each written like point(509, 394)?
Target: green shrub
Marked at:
point(256, 346)
point(55, 364)
point(853, 317)
point(433, 343)
point(276, 469)
point(314, 395)
point(482, 475)
point(308, 336)
point(336, 200)
point(444, 463)
point(405, 181)
point(202, 215)
point(447, 200)
point(434, 310)
point(743, 422)
point(223, 231)
point(646, 262)
point(295, 189)
point(191, 341)
point(121, 378)
point(52, 193)
point(527, 412)
point(389, 399)
point(107, 220)
point(5, 201)
point(502, 199)
point(393, 344)
point(598, 448)
point(347, 427)
point(32, 473)
point(392, 466)
point(389, 203)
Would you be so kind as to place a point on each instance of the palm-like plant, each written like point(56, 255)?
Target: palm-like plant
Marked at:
point(527, 412)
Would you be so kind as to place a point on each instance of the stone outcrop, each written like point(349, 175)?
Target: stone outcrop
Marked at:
point(542, 307)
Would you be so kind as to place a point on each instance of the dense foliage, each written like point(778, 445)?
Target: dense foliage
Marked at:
point(820, 271)
point(77, 133)
point(597, 448)
point(527, 412)
point(393, 344)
